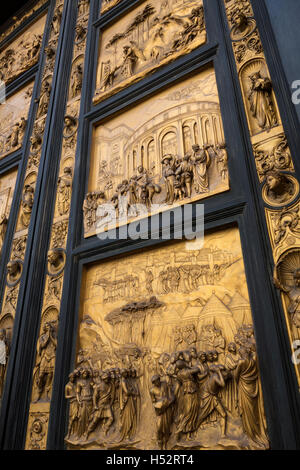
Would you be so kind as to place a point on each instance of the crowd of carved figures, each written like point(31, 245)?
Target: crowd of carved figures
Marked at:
point(189, 390)
point(185, 278)
point(181, 179)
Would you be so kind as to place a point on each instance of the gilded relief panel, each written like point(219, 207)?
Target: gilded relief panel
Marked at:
point(167, 151)
point(150, 36)
point(13, 120)
point(166, 354)
point(23, 52)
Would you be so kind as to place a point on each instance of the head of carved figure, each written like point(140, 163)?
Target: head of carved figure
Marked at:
point(196, 147)
point(156, 380)
point(193, 353)
point(232, 347)
point(239, 19)
point(296, 277)
point(276, 182)
point(215, 355)
point(13, 268)
point(210, 356)
point(202, 356)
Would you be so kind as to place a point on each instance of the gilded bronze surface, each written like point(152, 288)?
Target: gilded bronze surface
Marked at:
point(23, 52)
point(273, 158)
point(166, 352)
point(13, 120)
point(43, 373)
point(150, 36)
point(168, 151)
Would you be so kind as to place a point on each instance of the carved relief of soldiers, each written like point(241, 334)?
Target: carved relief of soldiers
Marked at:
point(64, 191)
point(103, 399)
point(261, 102)
point(201, 161)
point(44, 370)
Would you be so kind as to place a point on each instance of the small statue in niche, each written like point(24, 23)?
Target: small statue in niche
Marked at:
point(261, 101)
point(44, 98)
point(80, 33)
point(44, 370)
point(76, 82)
point(293, 294)
point(27, 204)
point(4, 351)
point(22, 129)
point(56, 21)
point(64, 191)
point(279, 188)
point(3, 227)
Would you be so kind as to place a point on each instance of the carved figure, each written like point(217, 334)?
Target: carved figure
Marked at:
point(261, 101)
point(64, 191)
point(44, 370)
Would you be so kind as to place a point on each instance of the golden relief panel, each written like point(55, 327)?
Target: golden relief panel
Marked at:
point(166, 355)
point(165, 152)
point(13, 120)
point(23, 52)
point(150, 36)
